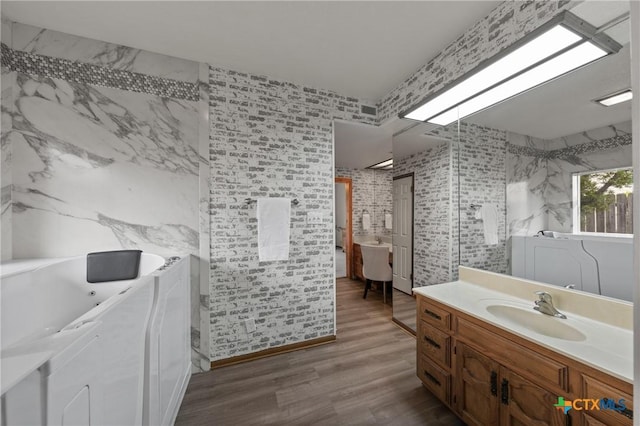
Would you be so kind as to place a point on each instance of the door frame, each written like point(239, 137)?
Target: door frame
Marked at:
point(349, 228)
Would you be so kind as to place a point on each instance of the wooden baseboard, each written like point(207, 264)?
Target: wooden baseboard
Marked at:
point(272, 351)
point(404, 327)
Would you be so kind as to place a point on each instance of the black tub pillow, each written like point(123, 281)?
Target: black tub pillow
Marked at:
point(113, 265)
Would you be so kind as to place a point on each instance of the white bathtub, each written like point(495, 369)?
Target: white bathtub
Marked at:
point(85, 353)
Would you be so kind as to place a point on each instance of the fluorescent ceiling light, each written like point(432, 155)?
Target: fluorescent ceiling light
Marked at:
point(564, 45)
point(536, 50)
point(384, 165)
point(574, 58)
point(616, 98)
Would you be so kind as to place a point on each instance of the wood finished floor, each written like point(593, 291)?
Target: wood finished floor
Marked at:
point(366, 377)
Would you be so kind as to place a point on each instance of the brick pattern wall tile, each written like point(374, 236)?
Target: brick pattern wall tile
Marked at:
point(482, 180)
point(432, 207)
point(372, 190)
point(271, 138)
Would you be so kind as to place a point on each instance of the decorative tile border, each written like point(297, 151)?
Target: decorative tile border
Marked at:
point(571, 151)
point(77, 72)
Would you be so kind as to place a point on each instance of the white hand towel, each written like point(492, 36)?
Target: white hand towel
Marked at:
point(388, 221)
point(274, 216)
point(366, 221)
point(489, 215)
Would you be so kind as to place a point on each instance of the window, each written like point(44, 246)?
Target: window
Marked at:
point(603, 201)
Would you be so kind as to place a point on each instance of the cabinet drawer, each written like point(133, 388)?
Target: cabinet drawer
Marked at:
point(595, 389)
point(587, 420)
point(434, 378)
point(537, 368)
point(435, 344)
point(434, 315)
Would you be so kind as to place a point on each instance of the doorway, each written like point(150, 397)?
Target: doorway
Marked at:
point(404, 303)
point(343, 226)
point(403, 233)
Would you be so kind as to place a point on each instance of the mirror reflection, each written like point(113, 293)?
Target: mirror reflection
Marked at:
point(556, 206)
point(363, 201)
point(536, 186)
point(422, 209)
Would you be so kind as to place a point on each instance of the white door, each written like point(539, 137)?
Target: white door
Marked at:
point(403, 234)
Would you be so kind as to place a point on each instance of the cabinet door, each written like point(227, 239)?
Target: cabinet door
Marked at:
point(476, 397)
point(524, 404)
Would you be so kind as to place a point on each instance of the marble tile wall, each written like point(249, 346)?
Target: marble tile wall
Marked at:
point(539, 174)
point(431, 212)
point(49, 43)
point(371, 191)
point(96, 166)
point(507, 23)
point(271, 138)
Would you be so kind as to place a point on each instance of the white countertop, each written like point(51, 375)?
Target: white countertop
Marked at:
point(607, 344)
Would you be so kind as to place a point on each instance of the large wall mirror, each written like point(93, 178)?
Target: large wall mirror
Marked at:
point(555, 160)
point(483, 187)
point(423, 207)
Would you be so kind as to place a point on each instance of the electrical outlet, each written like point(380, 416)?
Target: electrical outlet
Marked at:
point(250, 325)
point(314, 218)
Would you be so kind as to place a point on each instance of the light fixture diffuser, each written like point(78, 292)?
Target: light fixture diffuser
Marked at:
point(383, 165)
point(616, 98)
point(562, 45)
point(570, 60)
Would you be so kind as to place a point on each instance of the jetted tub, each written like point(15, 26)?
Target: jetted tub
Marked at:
point(75, 352)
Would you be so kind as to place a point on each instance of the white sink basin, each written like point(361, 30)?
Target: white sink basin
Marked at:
point(536, 322)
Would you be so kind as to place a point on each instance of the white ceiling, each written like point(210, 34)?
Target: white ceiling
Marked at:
point(360, 145)
point(356, 48)
point(565, 106)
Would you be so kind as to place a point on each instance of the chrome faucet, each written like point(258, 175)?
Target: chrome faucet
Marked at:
point(545, 305)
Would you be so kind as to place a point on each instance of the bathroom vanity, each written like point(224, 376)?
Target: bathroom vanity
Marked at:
point(486, 353)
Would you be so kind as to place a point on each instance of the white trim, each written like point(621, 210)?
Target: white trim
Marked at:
point(333, 224)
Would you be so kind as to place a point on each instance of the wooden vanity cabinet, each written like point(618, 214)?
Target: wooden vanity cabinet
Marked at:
point(357, 263)
point(595, 388)
point(488, 376)
point(434, 344)
point(490, 394)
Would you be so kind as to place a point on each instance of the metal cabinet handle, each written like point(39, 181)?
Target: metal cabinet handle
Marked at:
point(494, 383)
point(625, 412)
point(505, 391)
point(432, 314)
point(431, 342)
point(431, 378)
